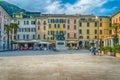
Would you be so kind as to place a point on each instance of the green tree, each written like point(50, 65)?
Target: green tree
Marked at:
point(8, 29)
point(116, 27)
point(14, 26)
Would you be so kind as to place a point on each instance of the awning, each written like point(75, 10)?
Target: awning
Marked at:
point(72, 42)
point(43, 42)
point(25, 41)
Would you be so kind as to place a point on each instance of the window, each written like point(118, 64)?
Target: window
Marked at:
point(38, 36)
point(74, 35)
point(95, 24)
point(24, 37)
point(33, 36)
point(80, 31)
point(100, 24)
point(18, 37)
point(88, 37)
point(95, 31)
point(49, 32)
point(88, 24)
point(58, 25)
point(28, 29)
point(74, 27)
point(33, 22)
point(100, 31)
point(15, 37)
point(58, 20)
point(24, 23)
point(44, 36)
point(49, 25)
point(27, 22)
point(80, 37)
point(18, 22)
point(44, 22)
point(55, 20)
point(74, 21)
point(63, 25)
point(95, 37)
point(51, 38)
point(54, 25)
point(44, 27)
point(88, 32)
point(64, 20)
point(22, 29)
point(68, 21)
point(27, 36)
point(110, 31)
point(68, 27)
point(49, 20)
point(80, 24)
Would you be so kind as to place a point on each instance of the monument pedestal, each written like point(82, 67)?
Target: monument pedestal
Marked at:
point(60, 45)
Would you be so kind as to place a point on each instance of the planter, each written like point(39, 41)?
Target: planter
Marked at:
point(118, 55)
point(103, 52)
point(109, 53)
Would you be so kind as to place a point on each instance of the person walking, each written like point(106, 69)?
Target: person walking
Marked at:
point(93, 50)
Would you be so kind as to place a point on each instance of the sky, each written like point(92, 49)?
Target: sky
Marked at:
point(84, 7)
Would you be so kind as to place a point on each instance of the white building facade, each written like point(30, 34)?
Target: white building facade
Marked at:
point(25, 36)
point(4, 20)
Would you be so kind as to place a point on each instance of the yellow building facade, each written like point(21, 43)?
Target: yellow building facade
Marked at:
point(115, 19)
point(105, 25)
point(49, 27)
point(88, 30)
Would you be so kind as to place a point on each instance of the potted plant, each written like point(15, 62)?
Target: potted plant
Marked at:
point(117, 49)
point(103, 50)
point(110, 49)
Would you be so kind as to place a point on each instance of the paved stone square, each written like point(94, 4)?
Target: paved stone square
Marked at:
point(63, 65)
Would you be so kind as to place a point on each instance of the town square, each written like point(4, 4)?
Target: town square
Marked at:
point(59, 40)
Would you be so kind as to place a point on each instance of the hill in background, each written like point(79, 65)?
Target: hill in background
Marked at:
point(10, 8)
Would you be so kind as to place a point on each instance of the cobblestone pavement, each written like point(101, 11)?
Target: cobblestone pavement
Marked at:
point(37, 52)
point(67, 65)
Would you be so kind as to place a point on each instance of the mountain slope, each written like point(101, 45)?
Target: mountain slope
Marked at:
point(10, 8)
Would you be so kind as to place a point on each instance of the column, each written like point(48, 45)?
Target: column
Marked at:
point(111, 42)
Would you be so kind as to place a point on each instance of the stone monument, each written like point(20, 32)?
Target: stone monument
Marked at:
point(60, 42)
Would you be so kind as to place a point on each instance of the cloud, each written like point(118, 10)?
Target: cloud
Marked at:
point(57, 7)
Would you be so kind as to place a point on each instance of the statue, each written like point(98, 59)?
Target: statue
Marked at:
point(60, 36)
